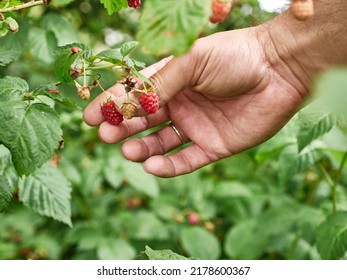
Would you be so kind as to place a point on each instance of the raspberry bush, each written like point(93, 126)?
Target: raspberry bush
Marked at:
point(285, 199)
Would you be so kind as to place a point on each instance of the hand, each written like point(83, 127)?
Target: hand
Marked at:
point(223, 97)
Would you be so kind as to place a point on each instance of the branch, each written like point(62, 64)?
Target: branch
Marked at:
point(23, 6)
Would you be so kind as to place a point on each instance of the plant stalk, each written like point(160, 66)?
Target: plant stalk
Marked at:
point(22, 6)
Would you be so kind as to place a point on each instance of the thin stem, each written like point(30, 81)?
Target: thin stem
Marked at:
point(22, 6)
point(331, 183)
point(104, 67)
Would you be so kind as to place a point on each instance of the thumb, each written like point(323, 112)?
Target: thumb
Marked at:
point(175, 76)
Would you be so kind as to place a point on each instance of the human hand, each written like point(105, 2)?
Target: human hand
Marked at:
point(223, 97)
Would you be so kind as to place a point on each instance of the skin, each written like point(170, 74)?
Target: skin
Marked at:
point(232, 91)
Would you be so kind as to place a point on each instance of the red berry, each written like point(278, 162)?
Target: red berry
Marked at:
point(110, 113)
point(134, 3)
point(193, 218)
point(149, 101)
point(75, 50)
point(54, 91)
point(220, 10)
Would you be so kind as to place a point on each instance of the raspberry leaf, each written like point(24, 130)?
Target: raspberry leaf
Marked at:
point(113, 6)
point(5, 193)
point(8, 55)
point(111, 55)
point(164, 255)
point(171, 26)
point(12, 88)
point(31, 133)
point(332, 237)
point(128, 47)
point(47, 192)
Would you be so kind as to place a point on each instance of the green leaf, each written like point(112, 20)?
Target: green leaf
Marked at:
point(61, 3)
point(113, 6)
point(17, 41)
point(61, 27)
point(42, 44)
point(200, 243)
point(58, 97)
point(171, 26)
point(142, 225)
point(65, 59)
point(292, 163)
point(47, 192)
point(111, 55)
point(8, 55)
point(31, 133)
point(12, 88)
point(164, 255)
point(10, 3)
point(312, 125)
point(332, 237)
point(5, 193)
point(115, 249)
point(3, 29)
point(242, 242)
point(140, 180)
point(128, 47)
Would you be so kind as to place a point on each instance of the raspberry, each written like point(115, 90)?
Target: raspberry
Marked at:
point(302, 9)
point(84, 92)
point(110, 113)
point(128, 110)
point(193, 218)
point(54, 91)
point(75, 50)
point(220, 10)
point(134, 3)
point(149, 101)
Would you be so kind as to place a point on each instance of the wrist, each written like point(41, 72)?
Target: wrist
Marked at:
point(299, 50)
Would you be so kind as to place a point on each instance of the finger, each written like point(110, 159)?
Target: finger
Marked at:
point(92, 114)
point(111, 134)
point(185, 161)
point(157, 143)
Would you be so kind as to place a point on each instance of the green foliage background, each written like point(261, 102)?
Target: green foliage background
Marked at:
point(285, 199)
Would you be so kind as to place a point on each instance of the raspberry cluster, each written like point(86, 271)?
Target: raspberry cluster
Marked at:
point(134, 3)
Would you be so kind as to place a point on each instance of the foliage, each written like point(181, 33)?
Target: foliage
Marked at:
point(285, 199)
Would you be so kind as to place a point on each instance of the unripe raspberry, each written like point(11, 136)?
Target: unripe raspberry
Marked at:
point(193, 218)
point(75, 72)
point(220, 10)
point(84, 93)
point(75, 50)
point(128, 110)
point(302, 9)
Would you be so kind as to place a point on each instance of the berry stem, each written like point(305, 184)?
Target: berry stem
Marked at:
point(104, 67)
point(22, 6)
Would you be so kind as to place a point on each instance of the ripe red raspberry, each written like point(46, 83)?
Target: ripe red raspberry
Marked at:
point(193, 218)
point(134, 3)
point(149, 101)
point(75, 50)
point(220, 10)
point(110, 113)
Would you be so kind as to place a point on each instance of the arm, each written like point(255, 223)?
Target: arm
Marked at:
point(232, 91)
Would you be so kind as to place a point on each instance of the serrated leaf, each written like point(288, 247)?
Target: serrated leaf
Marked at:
point(142, 224)
point(140, 180)
point(111, 55)
point(332, 237)
point(164, 255)
point(5, 193)
point(10, 3)
point(12, 88)
point(200, 243)
point(31, 133)
point(17, 41)
point(292, 162)
point(8, 55)
point(243, 242)
point(42, 44)
point(115, 249)
point(65, 58)
point(128, 47)
point(312, 125)
point(113, 6)
point(47, 192)
point(171, 26)
point(58, 97)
